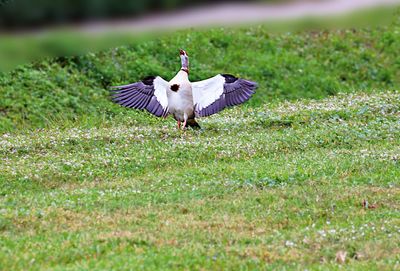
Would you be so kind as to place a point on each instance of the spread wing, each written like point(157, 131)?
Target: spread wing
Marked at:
point(213, 95)
point(149, 94)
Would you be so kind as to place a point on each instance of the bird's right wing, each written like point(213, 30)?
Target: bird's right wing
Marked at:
point(223, 90)
point(149, 94)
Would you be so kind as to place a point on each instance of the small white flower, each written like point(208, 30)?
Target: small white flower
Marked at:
point(289, 243)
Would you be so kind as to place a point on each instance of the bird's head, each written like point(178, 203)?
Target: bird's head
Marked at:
point(184, 60)
point(182, 52)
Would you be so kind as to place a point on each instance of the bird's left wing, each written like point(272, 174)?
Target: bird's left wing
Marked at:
point(149, 94)
point(214, 94)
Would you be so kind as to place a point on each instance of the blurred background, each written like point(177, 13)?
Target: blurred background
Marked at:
point(26, 14)
point(31, 30)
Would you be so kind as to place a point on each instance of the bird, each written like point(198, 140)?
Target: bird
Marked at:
point(182, 99)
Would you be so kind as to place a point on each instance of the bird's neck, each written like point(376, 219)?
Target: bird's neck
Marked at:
point(185, 70)
point(183, 75)
point(185, 64)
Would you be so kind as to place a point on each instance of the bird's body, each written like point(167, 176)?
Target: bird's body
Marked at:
point(182, 99)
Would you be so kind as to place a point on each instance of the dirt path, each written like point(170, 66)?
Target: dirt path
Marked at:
point(230, 14)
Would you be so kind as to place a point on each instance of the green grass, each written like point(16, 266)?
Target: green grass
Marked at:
point(278, 186)
point(278, 183)
point(291, 65)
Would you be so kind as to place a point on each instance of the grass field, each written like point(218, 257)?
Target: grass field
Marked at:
point(305, 176)
point(279, 186)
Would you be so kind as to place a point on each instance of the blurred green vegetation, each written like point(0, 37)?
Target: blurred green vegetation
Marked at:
point(290, 65)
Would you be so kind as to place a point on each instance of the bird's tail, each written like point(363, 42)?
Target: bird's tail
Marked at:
point(193, 124)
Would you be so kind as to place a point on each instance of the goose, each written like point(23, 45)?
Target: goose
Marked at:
point(182, 99)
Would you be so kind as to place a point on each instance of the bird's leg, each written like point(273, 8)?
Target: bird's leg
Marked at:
point(184, 124)
point(179, 124)
point(185, 117)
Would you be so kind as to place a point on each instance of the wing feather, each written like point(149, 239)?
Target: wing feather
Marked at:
point(212, 95)
point(127, 97)
point(149, 94)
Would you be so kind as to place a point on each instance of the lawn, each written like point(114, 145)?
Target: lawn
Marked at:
point(304, 176)
point(272, 187)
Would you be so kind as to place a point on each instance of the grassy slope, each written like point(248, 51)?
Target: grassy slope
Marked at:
point(280, 185)
point(287, 66)
point(270, 184)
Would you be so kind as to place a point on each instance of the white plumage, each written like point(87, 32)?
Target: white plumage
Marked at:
point(181, 98)
point(160, 85)
point(208, 91)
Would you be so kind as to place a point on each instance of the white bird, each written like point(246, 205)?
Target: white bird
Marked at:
point(183, 99)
